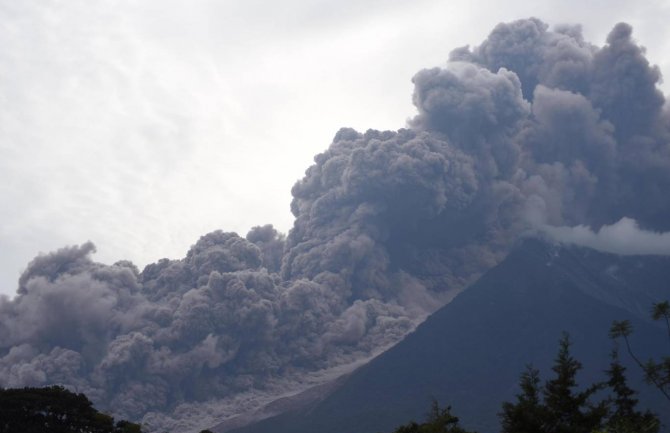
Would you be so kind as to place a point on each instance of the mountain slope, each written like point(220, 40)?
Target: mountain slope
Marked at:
point(470, 353)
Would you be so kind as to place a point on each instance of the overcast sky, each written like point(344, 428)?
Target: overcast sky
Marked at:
point(141, 125)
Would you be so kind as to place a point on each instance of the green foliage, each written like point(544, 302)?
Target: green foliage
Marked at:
point(621, 328)
point(661, 310)
point(54, 410)
point(562, 408)
point(657, 372)
point(565, 409)
point(439, 421)
point(527, 414)
point(624, 417)
point(569, 410)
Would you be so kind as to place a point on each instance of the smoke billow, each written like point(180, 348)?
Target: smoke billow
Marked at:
point(623, 237)
point(532, 128)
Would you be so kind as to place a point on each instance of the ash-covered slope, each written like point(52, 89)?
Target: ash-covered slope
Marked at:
point(470, 353)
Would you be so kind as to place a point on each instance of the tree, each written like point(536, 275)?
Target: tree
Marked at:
point(527, 414)
point(569, 410)
point(439, 421)
point(624, 417)
point(661, 310)
point(54, 410)
point(656, 372)
point(559, 407)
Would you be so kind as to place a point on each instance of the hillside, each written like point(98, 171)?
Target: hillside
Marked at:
point(470, 353)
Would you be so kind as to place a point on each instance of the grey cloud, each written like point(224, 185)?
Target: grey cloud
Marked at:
point(559, 58)
point(569, 129)
point(26, 366)
point(223, 252)
point(365, 197)
point(573, 155)
point(517, 46)
point(212, 324)
point(465, 100)
point(624, 84)
point(66, 260)
point(534, 128)
point(68, 300)
point(477, 110)
point(271, 244)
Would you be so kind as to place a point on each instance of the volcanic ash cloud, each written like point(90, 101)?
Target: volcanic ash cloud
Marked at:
point(532, 128)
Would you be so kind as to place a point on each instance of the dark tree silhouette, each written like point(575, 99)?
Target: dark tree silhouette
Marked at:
point(567, 409)
point(561, 406)
point(656, 372)
point(439, 421)
point(54, 410)
point(527, 414)
point(562, 409)
point(624, 417)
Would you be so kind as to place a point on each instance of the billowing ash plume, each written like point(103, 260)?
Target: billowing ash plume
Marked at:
point(532, 128)
point(595, 147)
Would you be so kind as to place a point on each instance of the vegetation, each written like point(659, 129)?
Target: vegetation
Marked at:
point(439, 421)
point(561, 405)
point(54, 410)
point(656, 372)
point(527, 414)
point(623, 417)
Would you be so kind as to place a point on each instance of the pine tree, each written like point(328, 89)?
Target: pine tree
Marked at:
point(439, 421)
point(625, 418)
point(567, 409)
point(526, 415)
point(656, 372)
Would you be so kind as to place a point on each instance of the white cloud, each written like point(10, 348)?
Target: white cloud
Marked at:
point(625, 237)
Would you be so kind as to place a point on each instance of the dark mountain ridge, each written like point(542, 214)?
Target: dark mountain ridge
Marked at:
point(469, 354)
